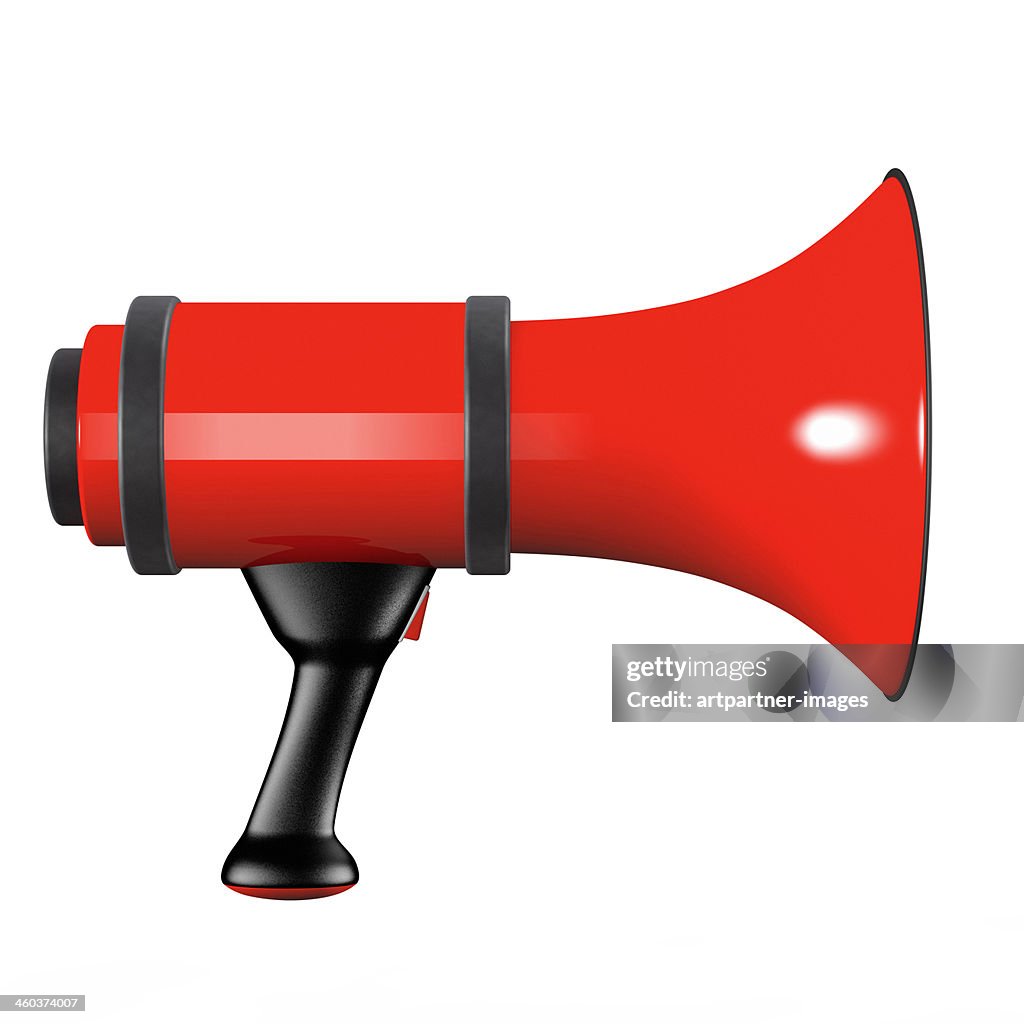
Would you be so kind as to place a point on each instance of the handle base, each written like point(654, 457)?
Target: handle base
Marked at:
point(297, 863)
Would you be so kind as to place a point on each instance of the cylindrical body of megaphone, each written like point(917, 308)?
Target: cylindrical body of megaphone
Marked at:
point(774, 436)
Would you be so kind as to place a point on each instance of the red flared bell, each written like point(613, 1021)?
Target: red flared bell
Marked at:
point(773, 437)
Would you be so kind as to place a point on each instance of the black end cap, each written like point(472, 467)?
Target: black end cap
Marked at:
point(60, 430)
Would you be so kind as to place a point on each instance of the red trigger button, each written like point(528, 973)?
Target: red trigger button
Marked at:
point(412, 631)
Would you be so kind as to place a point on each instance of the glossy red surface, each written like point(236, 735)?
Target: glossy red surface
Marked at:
point(771, 436)
point(315, 432)
point(290, 894)
point(97, 435)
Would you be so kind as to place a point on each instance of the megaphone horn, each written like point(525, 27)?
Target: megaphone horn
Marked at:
point(774, 437)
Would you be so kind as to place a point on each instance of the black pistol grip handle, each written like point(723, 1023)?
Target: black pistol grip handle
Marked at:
point(340, 621)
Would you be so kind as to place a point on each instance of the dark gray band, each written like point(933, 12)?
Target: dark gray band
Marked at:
point(60, 437)
point(140, 435)
point(488, 451)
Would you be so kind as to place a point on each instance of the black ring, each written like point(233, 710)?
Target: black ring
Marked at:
point(140, 435)
point(902, 179)
point(488, 458)
point(60, 437)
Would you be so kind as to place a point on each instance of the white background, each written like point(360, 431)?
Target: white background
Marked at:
point(522, 858)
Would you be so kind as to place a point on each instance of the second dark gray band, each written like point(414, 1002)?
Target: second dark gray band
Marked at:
point(140, 435)
point(488, 487)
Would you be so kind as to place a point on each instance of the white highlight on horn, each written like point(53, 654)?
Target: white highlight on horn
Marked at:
point(922, 439)
point(839, 432)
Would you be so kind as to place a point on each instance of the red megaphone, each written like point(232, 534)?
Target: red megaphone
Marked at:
point(774, 436)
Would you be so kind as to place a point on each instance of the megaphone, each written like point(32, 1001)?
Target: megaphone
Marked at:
point(774, 437)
